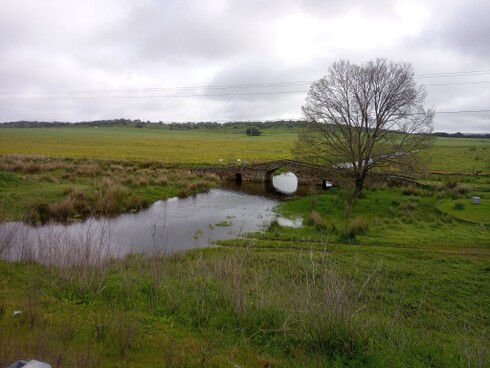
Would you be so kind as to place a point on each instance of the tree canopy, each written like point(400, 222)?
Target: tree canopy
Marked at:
point(253, 131)
point(365, 116)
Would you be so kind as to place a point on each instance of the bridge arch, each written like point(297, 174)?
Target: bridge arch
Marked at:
point(304, 172)
point(269, 175)
point(264, 172)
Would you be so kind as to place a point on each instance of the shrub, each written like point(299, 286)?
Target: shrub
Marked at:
point(450, 184)
point(253, 131)
point(328, 311)
point(410, 191)
point(39, 214)
point(357, 226)
point(459, 206)
point(91, 169)
point(408, 206)
point(62, 211)
point(317, 220)
point(195, 187)
point(161, 180)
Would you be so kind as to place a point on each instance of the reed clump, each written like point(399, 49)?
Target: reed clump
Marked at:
point(355, 227)
point(316, 219)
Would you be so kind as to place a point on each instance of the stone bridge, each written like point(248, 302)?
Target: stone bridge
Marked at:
point(264, 171)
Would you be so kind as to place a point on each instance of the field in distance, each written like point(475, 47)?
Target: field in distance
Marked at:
point(160, 144)
point(400, 278)
point(207, 146)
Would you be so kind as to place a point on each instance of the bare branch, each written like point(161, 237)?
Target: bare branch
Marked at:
point(364, 117)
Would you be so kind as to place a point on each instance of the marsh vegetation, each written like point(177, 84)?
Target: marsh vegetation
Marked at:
point(39, 189)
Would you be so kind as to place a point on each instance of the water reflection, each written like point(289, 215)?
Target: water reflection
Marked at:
point(285, 183)
point(282, 187)
point(171, 225)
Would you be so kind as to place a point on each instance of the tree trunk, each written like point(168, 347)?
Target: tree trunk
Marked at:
point(359, 184)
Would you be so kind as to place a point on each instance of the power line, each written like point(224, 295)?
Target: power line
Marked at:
point(455, 83)
point(463, 111)
point(455, 74)
point(40, 94)
point(234, 86)
point(216, 95)
point(163, 89)
point(165, 96)
point(235, 94)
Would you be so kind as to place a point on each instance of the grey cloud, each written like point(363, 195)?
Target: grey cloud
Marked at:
point(465, 26)
point(60, 45)
point(185, 32)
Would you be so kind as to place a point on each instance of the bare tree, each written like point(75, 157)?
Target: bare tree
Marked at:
point(365, 116)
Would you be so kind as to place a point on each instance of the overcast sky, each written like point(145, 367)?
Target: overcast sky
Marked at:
point(73, 60)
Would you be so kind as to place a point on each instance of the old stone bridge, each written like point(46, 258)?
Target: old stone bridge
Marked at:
point(264, 171)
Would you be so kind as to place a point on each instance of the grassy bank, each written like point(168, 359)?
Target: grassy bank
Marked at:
point(393, 280)
point(342, 306)
point(38, 189)
point(395, 217)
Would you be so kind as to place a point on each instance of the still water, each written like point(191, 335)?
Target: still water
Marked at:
point(170, 225)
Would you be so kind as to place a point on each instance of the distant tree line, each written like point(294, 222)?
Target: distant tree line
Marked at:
point(59, 124)
point(239, 125)
point(290, 124)
point(461, 135)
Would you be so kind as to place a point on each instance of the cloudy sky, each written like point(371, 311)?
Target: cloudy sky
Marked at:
point(228, 60)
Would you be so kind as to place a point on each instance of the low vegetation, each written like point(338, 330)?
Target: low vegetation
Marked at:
point(339, 305)
point(38, 189)
point(394, 217)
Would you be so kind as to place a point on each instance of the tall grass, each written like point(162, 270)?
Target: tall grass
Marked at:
point(86, 309)
point(68, 189)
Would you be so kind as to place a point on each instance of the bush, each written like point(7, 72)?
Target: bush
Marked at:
point(411, 191)
point(357, 226)
point(450, 184)
point(408, 206)
point(317, 220)
point(459, 206)
point(253, 131)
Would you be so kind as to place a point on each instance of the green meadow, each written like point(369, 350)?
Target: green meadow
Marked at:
point(398, 278)
point(465, 155)
point(207, 146)
point(191, 147)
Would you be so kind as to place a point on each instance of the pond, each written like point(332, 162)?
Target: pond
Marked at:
point(171, 225)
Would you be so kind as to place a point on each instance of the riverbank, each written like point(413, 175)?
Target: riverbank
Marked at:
point(38, 189)
point(397, 279)
point(340, 306)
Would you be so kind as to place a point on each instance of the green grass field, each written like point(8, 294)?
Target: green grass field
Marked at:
point(194, 147)
point(465, 155)
point(399, 278)
point(465, 210)
point(200, 146)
